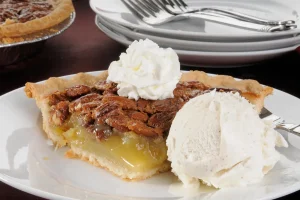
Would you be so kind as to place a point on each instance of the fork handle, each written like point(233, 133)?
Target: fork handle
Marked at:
point(237, 23)
point(246, 17)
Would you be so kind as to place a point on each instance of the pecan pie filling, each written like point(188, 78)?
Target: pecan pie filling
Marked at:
point(131, 133)
point(100, 106)
point(23, 10)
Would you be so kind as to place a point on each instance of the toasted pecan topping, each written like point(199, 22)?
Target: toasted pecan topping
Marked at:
point(142, 128)
point(162, 120)
point(141, 116)
point(188, 90)
point(85, 102)
point(56, 97)
point(77, 91)
point(104, 110)
point(119, 122)
point(100, 109)
point(106, 86)
point(23, 10)
point(125, 103)
point(87, 120)
point(60, 113)
point(166, 105)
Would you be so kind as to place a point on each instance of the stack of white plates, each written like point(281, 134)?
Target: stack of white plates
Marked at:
point(203, 43)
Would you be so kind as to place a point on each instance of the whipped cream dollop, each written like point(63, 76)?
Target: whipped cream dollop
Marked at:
point(146, 71)
point(219, 138)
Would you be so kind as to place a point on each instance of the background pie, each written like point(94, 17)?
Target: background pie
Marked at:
point(19, 18)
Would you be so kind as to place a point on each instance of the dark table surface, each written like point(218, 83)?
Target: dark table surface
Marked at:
point(84, 48)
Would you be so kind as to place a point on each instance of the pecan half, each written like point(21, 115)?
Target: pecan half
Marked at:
point(56, 97)
point(141, 128)
point(77, 91)
point(85, 102)
point(162, 120)
point(125, 103)
point(106, 86)
point(137, 115)
point(61, 113)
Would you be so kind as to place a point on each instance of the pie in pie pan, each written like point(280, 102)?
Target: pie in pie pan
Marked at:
point(124, 136)
point(19, 18)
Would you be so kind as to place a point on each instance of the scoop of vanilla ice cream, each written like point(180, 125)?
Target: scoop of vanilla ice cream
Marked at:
point(218, 138)
point(146, 71)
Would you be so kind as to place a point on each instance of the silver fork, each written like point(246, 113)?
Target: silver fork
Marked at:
point(177, 7)
point(180, 6)
point(279, 122)
point(153, 14)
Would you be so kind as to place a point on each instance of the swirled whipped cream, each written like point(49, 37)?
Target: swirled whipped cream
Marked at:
point(146, 71)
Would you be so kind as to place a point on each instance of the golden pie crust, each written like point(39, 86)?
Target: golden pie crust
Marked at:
point(62, 10)
point(250, 89)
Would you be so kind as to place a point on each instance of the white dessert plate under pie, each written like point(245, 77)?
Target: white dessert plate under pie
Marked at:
point(30, 164)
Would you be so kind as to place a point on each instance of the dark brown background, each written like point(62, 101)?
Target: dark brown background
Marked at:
point(84, 48)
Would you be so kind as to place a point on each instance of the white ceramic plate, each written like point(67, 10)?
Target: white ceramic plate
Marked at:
point(208, 59)
point(30, 164)
point(208, 31)
point(203, 46)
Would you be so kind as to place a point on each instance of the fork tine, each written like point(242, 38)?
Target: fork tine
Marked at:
point(176, 7)
point(162, 9)
point(168, 5)
point(176, 4)
point(152, 5)
point(183, 3)
point(170, 2)
point(278, 121)
point(268, 115)
point(144, 8)
point(165, 2)
point(137, 11)
point(160, 4)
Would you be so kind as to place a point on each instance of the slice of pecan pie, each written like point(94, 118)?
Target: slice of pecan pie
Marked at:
point(22, 17)
point(124, 136)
